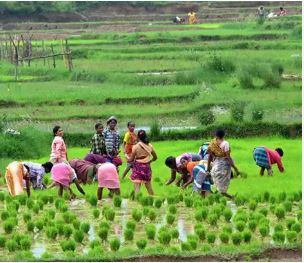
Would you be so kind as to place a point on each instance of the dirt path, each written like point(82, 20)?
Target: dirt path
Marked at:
point(272, 255)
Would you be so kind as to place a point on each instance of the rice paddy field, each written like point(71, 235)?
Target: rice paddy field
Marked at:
point(151, 71)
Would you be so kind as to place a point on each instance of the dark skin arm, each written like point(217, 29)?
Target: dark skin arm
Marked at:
point(190, 180)
point(99, 193)
point(172, 178)
point(79, 187)
point(27, 184)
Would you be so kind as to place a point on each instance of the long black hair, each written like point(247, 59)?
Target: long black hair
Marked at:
point(143, 136)
point(55, 130)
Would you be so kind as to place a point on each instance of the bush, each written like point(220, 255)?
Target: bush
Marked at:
point(117, 201)
point(131, 224)
point(170, 219)
point(246, 236)
point(11, 245)
point(152, 215)
point(150, 231)
point(164, 237)
point(280, 212)
point(211, 238)
point(115, 244)
point(278, 237)
point(206, 117)
point(217, 63)
point(103, 233)
point(141, 244)
point(8, 226)
point(227, 214)
point(129, 234)
point(68, 245)
point(25, 243)
point(136, 215)
point(67, 231)
point(96, 213)
point(158, 203)
point(85, 227)
point(224, 237)
point(237, 112)
point(245, 79)
point(291, 236)
point(236, 238)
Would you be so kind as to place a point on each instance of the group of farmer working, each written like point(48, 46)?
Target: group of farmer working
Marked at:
point(212, 165)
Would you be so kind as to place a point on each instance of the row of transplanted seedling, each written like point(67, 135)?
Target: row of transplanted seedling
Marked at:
point(186, 221)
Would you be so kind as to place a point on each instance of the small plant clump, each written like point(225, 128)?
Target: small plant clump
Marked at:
point(110, 214)
point(279, 237)
point(141, 244)
point(76, 224)
point(296, 227)
point(158, 203)
point(115, 244)
point(131, 224)
point(93, 200)
point(291, 236)
point(212, 219)
point(25, 243)
point(67, 231)
point(117, 201)
point(2, 241)
point(240, 226)
point(11, 245)
point(280, 212)
point(185, 246)
point(211, 238)
point(96, 213)
point(252, 205)
point(85, 227)
point(247, 236)
point(26, 217)
point(164, 237)
point(170, 218)
point(288, 206)
point(278, 228)
point(264, 230)
point(152, 215)
point(30, 226)
point(174, 233)
point(129, 234)
point(51, 232)
point(103, 233)
point(136, 215)
point(172, 209)
point(188, 201)
point(68, 245)
point(78, 236)
point(39, 224)
point(4, 215)
point(236, 238)
point(224, 237)
point(8, 226)
point(227, 214)
point(150, 231)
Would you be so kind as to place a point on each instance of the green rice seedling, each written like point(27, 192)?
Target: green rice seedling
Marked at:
point(227, 229)
point(51, 199)
point(41, 204)
point(46, 256)
point(36, 208)
point(204, 212)
point(103, 233)
point(11, 245)
point(30, 226)
point(66, 196)
point(201, 233)
point(264, 230)
point(158, 203)
point(278, 228)
point(110, 215)
point(8, 226)
point(26, 217)
point(45, 199)
point(172, 209)
point(13, 206)
point(76, 224)
point(25, 243)
point(239, 200)
point(291, 236)
point(174, 233)
point(63, 208)
point(85, 227)
point(193, 244)
point(197, 203)
point(2, 241)
point(212, 219)
point(280, 213)
point(8, 199)
point(146, 211)
point(51, 213)
point(115, 244)
point(227, 214)
point(164, 237)
point(128, 234)
point(288, 206)
point(4, 215)
point(247, 236)
point(210, 199)
point(152, 215)
point(264, 221)
point(236, 238)
point(170, 218)
point(272, 200)
point(198, 226)
point(299, 215)
point(224, 237)
point(68, 245)
point(141, 244)
point(185, 246)
point(144, 201)
point(266, 196)
point(2, 196)
point(211, 237)
point(78, 236)
point(96, 213)
point(272, 208)
point(290, 222)
point(296, 227)
point(240, 226)
point(67, 231)
point(282, 196)
point(39, 224)
point(131, 224)
point(150, 200)
point(92, 199)
point(104, 224)
point(198, 215)
point(278, 237)
point(240, 216)
point(117, 201)
point(218, 209)
point(59, 226)
point(263, 211)
point(188, 201)
point(68, 217)
point(136, 215)
point(58, 203)
point(150, 231)
point(51, 232)
point(22, 199)
point(94, 243)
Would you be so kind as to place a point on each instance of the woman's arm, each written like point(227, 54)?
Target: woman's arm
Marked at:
point(131, 158)
point(154, 156)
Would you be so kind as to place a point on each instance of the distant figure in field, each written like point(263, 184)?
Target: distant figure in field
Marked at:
point(140, 156)
point(282, 12)
point(192, 18)
point(16, 172)
point(176, 167)
point(107, 177)
point(178, 20)
point(130, 140)
point(219, 155)
point(265, 158)
point(98, 145)
point(271, 15)
point(261, 13)
point(59, 150)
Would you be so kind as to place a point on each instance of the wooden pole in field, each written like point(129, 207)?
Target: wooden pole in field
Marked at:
point(54, 61)
point(69, 55)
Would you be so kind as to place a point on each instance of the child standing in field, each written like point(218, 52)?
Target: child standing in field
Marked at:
point(98, 142)
point(59, 151)
point(130, 139)
point(265, 158)
point(140, 156)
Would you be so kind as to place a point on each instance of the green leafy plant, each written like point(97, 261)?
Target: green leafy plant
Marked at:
point(78, 236)
point(236, 238)
point(206, 117)
point(278, 228)
point(39, 224)
point(296, 227)
point(67, 231)
point(237, 111)
point(252, 205)
point(188, 201)
point(115, 244)
point(264, 230)
point(85, 227)
point(68, 245)
point(117, 201)
point(174, 233)
point(4, 215)
point(96, 213)
point(158, 203)
point(164, 237)
point(11, 245)
point(247, 236)
point(150, 231)
point(287, 206)
point(172, 209)
point(170, 218)
point(240, 226)
point(110, 214)
point(128, 234)
point(76, 224)
point(280, 212)
point(224, 237)
point(103, 233)
point(227, 214)
point(212, 219)
point(2, 241)
point(291, 236)
point(51, 232)
point(211, 238)
point(152, 215)
point(141, 244)
point(8, 226)
point(136, 215)
point(131, 224)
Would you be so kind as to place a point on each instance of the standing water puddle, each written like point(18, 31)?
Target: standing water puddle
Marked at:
point(38, 250)
point(181, 229)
